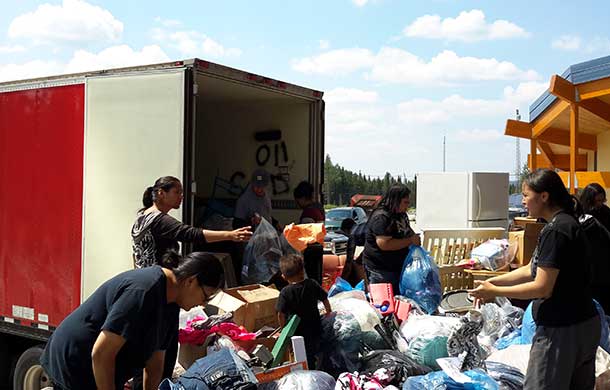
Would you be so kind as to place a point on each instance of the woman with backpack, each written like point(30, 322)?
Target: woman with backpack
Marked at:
point(593, 201)
point(558, 279)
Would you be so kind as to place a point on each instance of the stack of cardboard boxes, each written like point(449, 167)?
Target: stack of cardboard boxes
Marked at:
point(526, 238)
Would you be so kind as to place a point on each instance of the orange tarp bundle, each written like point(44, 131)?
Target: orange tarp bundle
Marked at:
point(299, 236)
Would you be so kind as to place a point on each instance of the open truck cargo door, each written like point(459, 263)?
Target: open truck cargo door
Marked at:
point(134, 134)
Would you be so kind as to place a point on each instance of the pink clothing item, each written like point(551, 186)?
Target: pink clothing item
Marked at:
point(191, 335)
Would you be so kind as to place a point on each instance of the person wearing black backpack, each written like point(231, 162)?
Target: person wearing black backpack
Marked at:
point(593, 201)
point(559, 281)
point(596, 224)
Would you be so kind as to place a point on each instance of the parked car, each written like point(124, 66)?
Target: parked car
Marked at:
point(335, 243)
point(335, 216)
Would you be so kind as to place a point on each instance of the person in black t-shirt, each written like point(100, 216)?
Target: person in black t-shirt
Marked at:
point(388, 238)
point(155, 232)
point(593, 201)
point(559, 280)
point(300, 297)
point(127, 324)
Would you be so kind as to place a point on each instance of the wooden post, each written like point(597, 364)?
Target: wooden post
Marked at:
point(573, 145)
point(533, 154)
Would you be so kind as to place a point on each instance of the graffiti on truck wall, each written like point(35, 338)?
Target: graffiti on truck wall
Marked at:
point(274, 158)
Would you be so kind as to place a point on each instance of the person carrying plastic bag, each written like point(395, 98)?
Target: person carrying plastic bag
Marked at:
point(388, 238)
point(420, 280)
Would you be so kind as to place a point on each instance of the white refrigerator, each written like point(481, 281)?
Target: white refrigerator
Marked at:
point(462, 200)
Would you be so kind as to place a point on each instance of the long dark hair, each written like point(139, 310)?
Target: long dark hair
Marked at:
point(303, 190)
point(391, 199)
point(164, 183)
point(205, 266)
point(546, 180)
point(588, 195)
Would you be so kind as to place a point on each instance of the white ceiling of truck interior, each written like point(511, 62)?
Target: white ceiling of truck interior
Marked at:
point(220, 90)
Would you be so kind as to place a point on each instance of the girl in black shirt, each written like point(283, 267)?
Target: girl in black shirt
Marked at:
point(558, 280)
point(388, 238)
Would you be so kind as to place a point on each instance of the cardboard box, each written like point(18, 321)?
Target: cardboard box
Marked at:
point(526, 240)
point(253, 306)
point(522, 221)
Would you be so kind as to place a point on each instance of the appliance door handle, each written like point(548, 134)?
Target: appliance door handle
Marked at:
point(479, 202)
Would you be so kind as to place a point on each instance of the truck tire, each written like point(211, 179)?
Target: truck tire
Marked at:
point(29, 374)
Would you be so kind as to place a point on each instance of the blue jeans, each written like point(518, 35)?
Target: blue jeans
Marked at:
point(223, 370)
point(383, 276)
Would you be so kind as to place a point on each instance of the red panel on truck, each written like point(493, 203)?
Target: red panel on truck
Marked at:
point(41, 176)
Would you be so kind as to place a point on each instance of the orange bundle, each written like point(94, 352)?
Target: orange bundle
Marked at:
point(299, 236)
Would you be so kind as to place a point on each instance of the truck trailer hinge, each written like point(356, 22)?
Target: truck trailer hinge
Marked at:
point(195, 89)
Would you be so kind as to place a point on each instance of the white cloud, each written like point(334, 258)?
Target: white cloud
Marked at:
point(595, 45)
point(457, 107)
point(478, 135)
point(10, 49)
point(394, 65)
point(115, 57)
point(567, 42)
point(324, 44)
point(598, 45)
point(82, 61)
point(168, 22)
point(350, 95)
point(468, 26)
point(193, 44)
point(31, 69)
point(399, 66)
point(408, 136)
point(335, 62)
point(74, 21)
point(360, 3)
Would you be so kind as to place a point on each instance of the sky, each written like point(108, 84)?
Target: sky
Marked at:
point(398, 76)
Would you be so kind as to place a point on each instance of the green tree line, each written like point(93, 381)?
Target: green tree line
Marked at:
point(340, 184)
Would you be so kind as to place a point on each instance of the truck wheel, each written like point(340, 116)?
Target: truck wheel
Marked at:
point(29, 374)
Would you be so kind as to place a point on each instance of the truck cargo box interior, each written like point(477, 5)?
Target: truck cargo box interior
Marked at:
point(238, 128)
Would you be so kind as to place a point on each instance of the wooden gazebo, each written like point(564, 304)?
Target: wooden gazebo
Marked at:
point(569, 125)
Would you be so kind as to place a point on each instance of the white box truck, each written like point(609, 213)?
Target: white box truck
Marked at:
point(77, 152)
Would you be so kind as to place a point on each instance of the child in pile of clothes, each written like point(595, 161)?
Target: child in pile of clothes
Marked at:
point(300, 297)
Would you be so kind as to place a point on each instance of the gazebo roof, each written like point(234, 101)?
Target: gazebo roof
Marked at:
point(576, 74)
point(566, 120)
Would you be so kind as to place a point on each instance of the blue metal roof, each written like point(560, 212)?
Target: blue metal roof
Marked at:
point(576, 74)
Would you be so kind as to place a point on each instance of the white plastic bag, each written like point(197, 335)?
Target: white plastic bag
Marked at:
point(494, 254)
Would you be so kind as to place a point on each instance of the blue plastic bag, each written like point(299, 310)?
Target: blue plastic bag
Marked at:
point(420, 280)
point(523, 335)
point(342, 285)
point(438, 380)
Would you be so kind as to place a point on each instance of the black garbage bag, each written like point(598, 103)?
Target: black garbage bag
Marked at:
point(344, 341)
point(302, 380)
point(508, 377)
point(398, 365)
